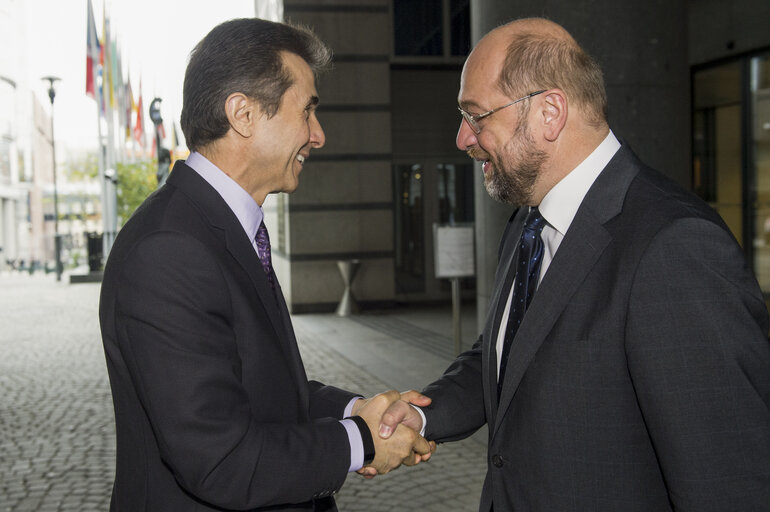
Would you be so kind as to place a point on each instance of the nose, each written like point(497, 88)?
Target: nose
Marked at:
point(317, 136)
point(466, 137)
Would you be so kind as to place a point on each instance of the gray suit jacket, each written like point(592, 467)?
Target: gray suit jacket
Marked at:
point(213, 409)
point(639, 379)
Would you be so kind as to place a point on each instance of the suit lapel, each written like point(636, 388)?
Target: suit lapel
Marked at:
point(503, 278)
point(240, 248)
point(583, 244)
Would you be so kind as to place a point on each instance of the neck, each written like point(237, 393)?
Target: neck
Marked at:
point(230, 160)
point(566, 153)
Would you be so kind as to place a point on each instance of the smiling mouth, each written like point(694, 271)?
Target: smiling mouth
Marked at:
point(301, 159)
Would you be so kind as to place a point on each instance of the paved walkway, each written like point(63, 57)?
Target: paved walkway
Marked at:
point(57, 437)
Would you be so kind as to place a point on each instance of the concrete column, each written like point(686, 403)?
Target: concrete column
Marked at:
point(641, 46)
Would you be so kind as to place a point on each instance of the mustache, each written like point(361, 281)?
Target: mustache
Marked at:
point(477, 154)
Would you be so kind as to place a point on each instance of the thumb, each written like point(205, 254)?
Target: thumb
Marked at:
point(415, 398)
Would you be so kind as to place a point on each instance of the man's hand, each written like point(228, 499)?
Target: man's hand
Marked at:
point(399, 412)
point(402, 444)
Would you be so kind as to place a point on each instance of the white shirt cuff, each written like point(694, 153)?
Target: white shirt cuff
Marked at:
point(424, 421)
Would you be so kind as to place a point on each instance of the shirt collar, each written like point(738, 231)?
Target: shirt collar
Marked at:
point(245, 208)
point(561, 203)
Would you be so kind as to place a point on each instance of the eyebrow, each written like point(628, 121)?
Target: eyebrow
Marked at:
point(312, 102)
point(469, 105)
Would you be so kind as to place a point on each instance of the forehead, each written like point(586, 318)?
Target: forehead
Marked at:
point(304, 79)
point(478, 82)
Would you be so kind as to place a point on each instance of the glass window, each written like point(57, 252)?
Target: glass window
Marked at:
point(455, 193)
point(410, 229)
point(460, 23)
point(717, 164)
point(760, 150)
point(418, 27)
point(731, 152)
point(431, 28)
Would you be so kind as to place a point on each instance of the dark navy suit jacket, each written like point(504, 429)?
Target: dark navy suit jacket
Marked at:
point(639, 379)
point(212, 405)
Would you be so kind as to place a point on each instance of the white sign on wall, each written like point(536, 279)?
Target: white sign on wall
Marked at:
point(454, 253)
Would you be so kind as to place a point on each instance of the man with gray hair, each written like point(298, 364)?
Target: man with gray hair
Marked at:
point(212, 405)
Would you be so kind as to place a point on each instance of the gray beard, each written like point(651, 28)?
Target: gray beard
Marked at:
point(512, 178)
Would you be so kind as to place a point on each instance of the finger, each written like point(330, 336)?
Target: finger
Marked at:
point(392, 417)
point(421, 446)
point(412, 459)
point(389, 396)
point(367, 472)
point(416, 398)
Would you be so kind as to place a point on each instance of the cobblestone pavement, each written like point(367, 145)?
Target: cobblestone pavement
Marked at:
point(57, 439)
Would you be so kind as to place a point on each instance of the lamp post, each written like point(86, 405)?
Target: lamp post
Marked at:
point(56, 239)
point(164, 156)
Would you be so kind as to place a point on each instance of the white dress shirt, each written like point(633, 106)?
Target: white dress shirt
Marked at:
point(558, 208)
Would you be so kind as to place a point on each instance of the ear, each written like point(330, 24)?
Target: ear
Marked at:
point(554, 112)
point(242, 113)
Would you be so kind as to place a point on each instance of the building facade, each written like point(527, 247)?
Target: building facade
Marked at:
point(13, 186)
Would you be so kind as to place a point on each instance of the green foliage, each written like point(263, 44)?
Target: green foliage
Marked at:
point(136, 181)
point(84, 169)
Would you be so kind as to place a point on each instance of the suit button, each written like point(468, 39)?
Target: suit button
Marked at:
point(497, 461)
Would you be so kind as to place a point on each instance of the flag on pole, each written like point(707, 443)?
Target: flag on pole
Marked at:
point(92, 53)
point(107, 57)
point(120, 88)
point(130, 105)
point(116, 82)
point(139, 125)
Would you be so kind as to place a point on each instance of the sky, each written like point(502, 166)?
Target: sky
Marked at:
point(155, 37)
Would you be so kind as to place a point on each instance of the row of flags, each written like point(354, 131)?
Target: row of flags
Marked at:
point(106, 84)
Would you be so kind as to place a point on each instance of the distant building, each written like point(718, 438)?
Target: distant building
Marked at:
point(14, 172)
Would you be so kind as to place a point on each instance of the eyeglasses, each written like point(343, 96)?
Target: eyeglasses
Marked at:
point(473, 120)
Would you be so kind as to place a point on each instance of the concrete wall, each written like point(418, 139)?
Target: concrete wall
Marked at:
point(343, 207)
point(725, 28)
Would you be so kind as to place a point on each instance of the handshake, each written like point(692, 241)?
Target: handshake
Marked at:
point(395, 427)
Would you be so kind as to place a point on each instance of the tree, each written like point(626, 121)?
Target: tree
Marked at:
point(136, 181)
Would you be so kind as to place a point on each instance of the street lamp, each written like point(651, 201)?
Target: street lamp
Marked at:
point(56, 239)
point(164, 156)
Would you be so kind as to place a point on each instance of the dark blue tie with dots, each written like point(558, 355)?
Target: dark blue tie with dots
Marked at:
point(527, 272)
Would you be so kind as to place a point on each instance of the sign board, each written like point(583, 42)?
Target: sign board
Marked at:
point(453, 250)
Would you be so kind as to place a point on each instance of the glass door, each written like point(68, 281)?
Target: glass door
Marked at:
point(731, 151)
point(759, 150)
point(427, 192)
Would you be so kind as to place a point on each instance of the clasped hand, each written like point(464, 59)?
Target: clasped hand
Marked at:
point(395, 427)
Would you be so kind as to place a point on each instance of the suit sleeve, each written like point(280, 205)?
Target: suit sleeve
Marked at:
point(174, 329)
point(699, 358)
point(328, 401)
point(457, 408)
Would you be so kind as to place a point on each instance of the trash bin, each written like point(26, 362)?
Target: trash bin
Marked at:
point(95, 251)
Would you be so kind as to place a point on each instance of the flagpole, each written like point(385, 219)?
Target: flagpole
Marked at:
point(97, 89)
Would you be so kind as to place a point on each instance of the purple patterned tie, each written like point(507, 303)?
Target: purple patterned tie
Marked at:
point(263, 249)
